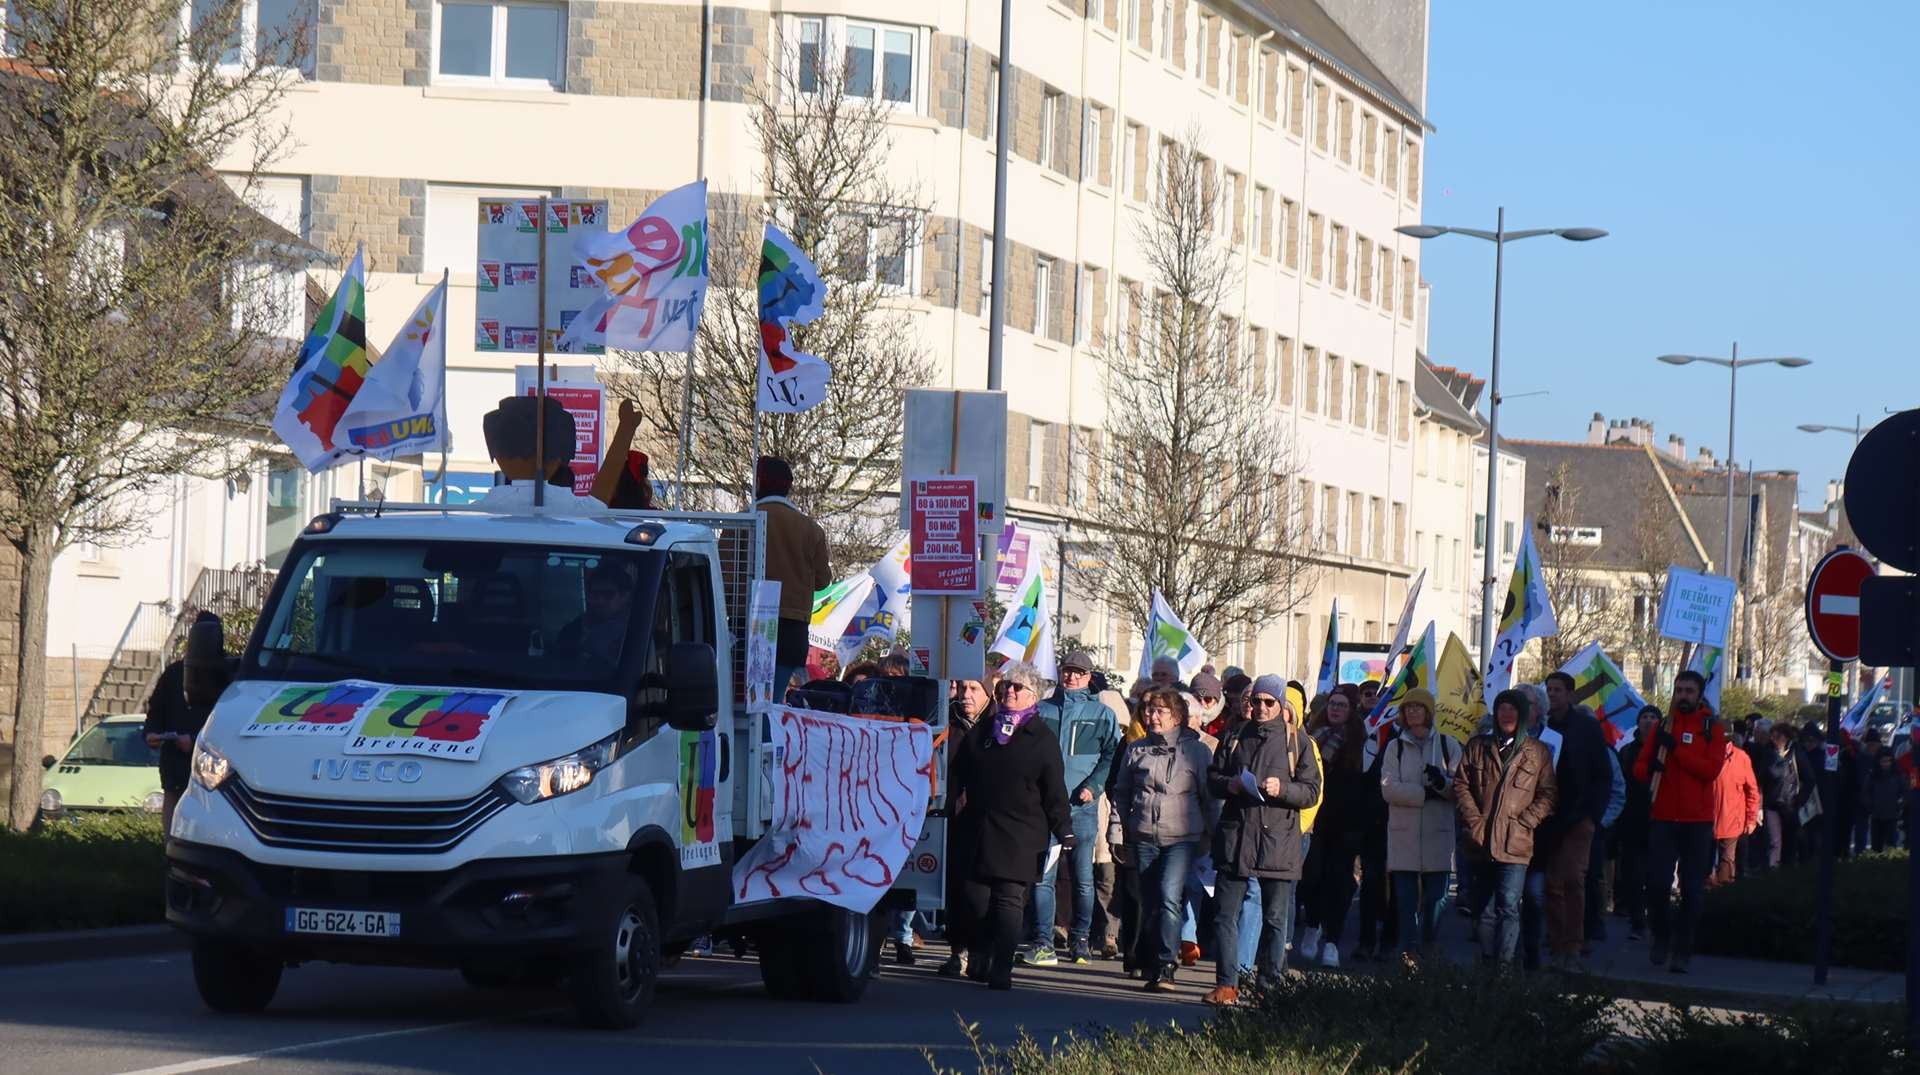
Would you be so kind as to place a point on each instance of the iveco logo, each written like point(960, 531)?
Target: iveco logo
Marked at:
point(404, 772)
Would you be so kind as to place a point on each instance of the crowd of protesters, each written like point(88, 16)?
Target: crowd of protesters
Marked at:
point(1230, 819)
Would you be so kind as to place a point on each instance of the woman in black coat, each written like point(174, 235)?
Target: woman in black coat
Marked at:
point(1009, 781)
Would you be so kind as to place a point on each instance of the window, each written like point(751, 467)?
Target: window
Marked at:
point(1284, 350)
point(1506, 538)
point(1399, 532)
point(1049, 123)
point(509, 44)
point(1316, 246)
point(1364, 266)
point(1336, 392)
point(986, 274)
point(1330, 517)
point(269, 29)
point(1296, 101)
point(1311, 364)
point(1037, 433)
point(1380, 403)
point(1270, 85)
point(1262, 224)
point(1290, 232)
point(993, 103)
point(1340, 280)
point(1322, 99)
point(877, 247)
point(877, 61)
point(1406, 289)
point(1386, 279)
point(1343, 133)
point(1369, 145)
point(1133, 163)
point(1082, 303)
point(1166, 30)
point(1390, 158)
point(1413, 170)
point(1091, 157)
point(1377, 527)
point(1042, 291)
point(452, 212)
point(1357, 413)
point(1231, 83)
point(1237, 227)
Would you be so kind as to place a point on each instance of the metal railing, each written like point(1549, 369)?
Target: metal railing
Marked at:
point(157, 631)
point(143, 645)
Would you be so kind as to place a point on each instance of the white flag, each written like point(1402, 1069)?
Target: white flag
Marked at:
point(1527, 614)
point(1167, 636)
point(1406, 620)
point(1026, 632)
point(402, 407)
point(791, 293)
point(834, 608)
point(655, 276)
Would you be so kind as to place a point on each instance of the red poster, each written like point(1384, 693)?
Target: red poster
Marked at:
point(582, 401)
point(945, 543)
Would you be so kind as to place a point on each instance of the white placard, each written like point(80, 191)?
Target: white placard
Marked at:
point(1696, 607)
point(763, 636)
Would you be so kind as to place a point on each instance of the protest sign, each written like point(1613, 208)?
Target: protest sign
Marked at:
point(1696, 607)
point(945, 552)
point(578, 390)
point(848, 796)
point(763, 636)
point(507, 284)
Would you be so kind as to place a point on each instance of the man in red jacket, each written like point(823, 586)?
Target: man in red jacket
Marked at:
point(1736, 813)
point(1681, 757)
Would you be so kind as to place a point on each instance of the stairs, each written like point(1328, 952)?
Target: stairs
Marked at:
point(124, 688)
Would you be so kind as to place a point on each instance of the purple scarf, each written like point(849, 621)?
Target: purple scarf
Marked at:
point(1010, 720)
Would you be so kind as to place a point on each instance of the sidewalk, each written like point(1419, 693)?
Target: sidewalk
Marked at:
point(1618, 960)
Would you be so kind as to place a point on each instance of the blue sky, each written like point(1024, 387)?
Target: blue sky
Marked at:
point(1758, 167)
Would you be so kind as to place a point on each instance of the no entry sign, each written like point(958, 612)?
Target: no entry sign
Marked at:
point(1833, 603)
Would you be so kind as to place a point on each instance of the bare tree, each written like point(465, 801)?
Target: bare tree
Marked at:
point(1585, 607)
point(1198, 497)
point(134, 319)
point(823, 180)
point(1650, 551)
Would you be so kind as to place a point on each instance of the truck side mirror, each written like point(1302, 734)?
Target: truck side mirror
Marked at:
point(693, 686)
point(47, 762)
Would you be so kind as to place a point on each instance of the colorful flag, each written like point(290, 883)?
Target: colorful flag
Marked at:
point(655, 276)
point(1601, 686)
point(402, 407)
point(791, 293)
point(834, 608)
point(1708, 661)
point(1026, 632)
point(1527, 614)
point(1167, 636)
point(886, 612)
point(1406, 620)
point(1855, 717)
point(1330, 656)
point(1417, 673)
point(328, 375)
point(1456, 692)
point(1021, 549)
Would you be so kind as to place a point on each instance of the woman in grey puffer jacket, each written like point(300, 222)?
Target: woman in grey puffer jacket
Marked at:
point(1164, 815)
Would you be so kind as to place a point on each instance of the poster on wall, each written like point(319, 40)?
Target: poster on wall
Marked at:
point(507, 284)
point(577, 388)
point(1361, 661)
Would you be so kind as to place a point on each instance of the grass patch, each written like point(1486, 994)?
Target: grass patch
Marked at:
point(93, 872)
point(1453, 1020)
point(1770, 915)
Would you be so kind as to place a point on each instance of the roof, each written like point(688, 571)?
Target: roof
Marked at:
point(1434, 394)
point(1618, 488)
point(1308, 26)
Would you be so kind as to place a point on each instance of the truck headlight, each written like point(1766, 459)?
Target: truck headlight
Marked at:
point(210, 767)
point(51, 802)
point(155, 802)
point(533, 783)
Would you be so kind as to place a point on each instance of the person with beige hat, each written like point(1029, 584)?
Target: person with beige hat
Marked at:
point(1416, 779)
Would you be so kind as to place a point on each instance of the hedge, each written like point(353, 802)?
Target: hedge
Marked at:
point(1770, 915)
point(87, 873)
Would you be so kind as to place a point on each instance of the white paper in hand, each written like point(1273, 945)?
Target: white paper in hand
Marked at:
point(1552, 739)
point(1053, 857)
point(1251, 785)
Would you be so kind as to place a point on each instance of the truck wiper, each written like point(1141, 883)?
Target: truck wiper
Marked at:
point(330, 660)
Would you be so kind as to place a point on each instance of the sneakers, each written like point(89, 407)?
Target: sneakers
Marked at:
point(1330, 957)
point(1659, 952)
point(1161, 979)
point(955, 966)
point(1223, 996)
point(1041, 955)
point(1109, 951)
point(1310, 944)
point(1082, 955)
point(903, 953)
point(1189, 953)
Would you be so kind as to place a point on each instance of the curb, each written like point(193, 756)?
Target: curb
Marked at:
point(71, 945)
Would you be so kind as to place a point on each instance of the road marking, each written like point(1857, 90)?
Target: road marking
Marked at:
point(1833, 604)
point(212, 1062)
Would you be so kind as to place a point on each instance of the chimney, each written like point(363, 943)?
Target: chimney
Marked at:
point(1677, 447)
point(1706, 456)
point(1834, 488)
point(1640, 431)
point(1597, 429)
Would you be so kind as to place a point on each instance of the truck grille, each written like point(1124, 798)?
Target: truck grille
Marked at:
point(413, 828)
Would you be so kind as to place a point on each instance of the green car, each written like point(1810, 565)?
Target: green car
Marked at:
point(109, 768)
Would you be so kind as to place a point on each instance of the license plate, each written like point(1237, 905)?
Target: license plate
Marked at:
point(343, 923)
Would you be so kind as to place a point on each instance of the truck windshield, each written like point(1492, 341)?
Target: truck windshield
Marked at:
point(113, 744)
point(457, 614)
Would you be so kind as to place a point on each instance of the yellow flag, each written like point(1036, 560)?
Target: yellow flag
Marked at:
point(1456, 692)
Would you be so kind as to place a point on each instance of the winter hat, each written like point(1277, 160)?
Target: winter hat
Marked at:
point(1418, 696)
point(1077, 661)
point(1208, 684)
point(1238, 682)
point(1270, 685)
point(1296, 700)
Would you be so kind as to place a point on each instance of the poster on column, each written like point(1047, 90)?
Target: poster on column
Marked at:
point(577, 388)
point(507, 284)
point(848, 797)
point(960, 652)
point(763, 636)
point(944, 556)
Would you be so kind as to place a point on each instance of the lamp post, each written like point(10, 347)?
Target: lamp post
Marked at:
point(1856, 429)
point(1499, 237)
point(1733, 365)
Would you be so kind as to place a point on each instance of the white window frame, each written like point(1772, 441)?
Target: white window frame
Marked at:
point(1036, 457)
point(498, 62)
point(1129, 145)
point(1050, 102)
point(1090, 144)
point(464, 273)
point(986, 275)
point(249, 35)
point(833, 43)
point(1082, 305)
point(1163, 30)
point(875, 219)
point(993, 102)
point(1042, 286)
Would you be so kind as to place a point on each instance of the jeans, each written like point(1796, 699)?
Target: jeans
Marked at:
point(1251, 917)
point(1421, 897)
point(1687, 846)
point(1194, 900)
point(1533, 915)
point(783, 676)
point(1163, 885)
point(1041, 913)
point(1378, 927)
point(1273, 898)
point(1501, 881)
point(1106, 904)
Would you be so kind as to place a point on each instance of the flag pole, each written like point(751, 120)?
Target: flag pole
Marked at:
point(540, 364)
point(446, 436)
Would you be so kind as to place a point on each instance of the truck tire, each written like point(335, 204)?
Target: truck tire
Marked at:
point(841, 956)
point(613, 982)
point(234, 978)
point(782, 966)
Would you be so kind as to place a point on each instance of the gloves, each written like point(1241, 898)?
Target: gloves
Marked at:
point(1068, 843)
point(1435, 794)
point(1666, 739)
point(1436, 778)
point(1655, 765)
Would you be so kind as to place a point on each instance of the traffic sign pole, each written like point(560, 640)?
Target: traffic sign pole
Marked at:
point(1833, 622)
point(1830, 792)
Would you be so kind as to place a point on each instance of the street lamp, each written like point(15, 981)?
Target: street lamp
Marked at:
point(1499, 237)
point(1733, 366)
point(1856, 429)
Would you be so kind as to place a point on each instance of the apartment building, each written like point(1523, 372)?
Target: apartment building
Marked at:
point(410, 111)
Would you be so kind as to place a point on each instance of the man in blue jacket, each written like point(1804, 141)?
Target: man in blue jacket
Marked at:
point(1089, 741)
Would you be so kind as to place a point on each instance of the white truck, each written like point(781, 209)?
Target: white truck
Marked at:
point(507, 744)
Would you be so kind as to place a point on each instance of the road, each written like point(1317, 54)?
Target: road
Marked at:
point(141, 1015)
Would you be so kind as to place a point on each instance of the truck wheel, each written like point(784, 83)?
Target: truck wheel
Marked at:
point(781, 966)
point(613, 982)
point(842, 956)
point(233, 977)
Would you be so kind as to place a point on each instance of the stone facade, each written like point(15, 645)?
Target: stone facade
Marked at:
point(389, 215)
point(379, 42)
point(741, 44)
point(948, 84)
point(618, 49)
point(940, 261)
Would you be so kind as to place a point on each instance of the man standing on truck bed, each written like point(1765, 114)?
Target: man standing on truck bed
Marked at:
point(796, 559)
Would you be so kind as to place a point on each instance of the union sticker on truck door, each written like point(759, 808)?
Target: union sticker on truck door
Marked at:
point(433, 723)
point(312, 709)
point(704, 816)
